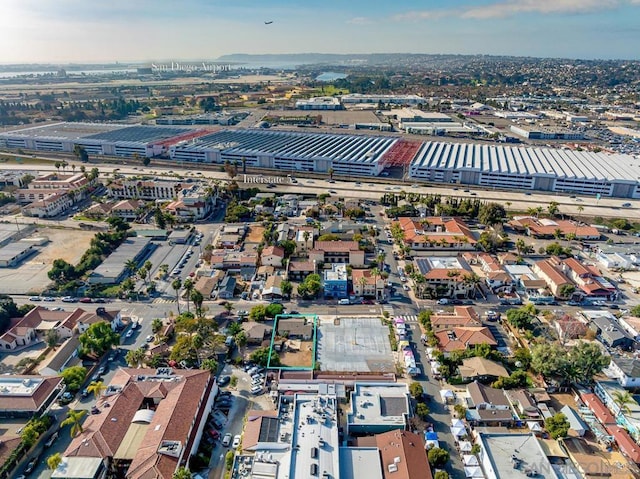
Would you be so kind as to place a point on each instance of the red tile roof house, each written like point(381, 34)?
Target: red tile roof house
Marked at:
point(464, 338)
point(588, 279)
point(348, 252)
point(153, 424)
point(462, 316)
point(436, 233)
point(549, 270)
point(272, 256)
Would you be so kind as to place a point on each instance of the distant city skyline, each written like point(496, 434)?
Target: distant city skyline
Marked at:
point(65, 31)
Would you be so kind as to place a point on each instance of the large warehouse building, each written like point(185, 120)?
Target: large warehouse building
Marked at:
point(352, 155)
point(98, 138)
point(486, 165)
point(543, 169)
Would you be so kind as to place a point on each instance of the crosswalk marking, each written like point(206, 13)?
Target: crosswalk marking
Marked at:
point(163, 301)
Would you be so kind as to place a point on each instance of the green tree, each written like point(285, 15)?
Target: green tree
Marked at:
point(441, 475)
point(209, 364)
point(54, 461)
point(228, 307)
point(258, 313)
point(476, 449)
point(188, 287)
point(96, 388)
point(557, 426)
point(416, 390)
point(274, 310)
point(52, 337)
point(135, 357)
point(622, 399)
point(176, 284)
point(519, 318)
point(182, 473)
point(98, 339)
point(550, 360)
point(587, 360)
point(156, 325)
point(422, 410)
point(261, 357)
point(635, 311)
point(438, 457)
point(29, 436)
point(73, 377)
point(74, 418)
point(197, 299)
point(491, 213)
point(118, 224)
point(566, 290)
point(287, 288)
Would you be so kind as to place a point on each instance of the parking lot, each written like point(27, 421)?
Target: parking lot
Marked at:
point(30, 276)
point(364, 341)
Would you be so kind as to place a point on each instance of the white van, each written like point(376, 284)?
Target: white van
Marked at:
point(344, 301)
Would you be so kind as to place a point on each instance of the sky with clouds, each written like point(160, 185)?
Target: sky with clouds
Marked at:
point(145, 30)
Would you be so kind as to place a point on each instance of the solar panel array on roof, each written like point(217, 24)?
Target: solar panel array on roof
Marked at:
point(269, 429)
point(365, 149)
point(139, 134)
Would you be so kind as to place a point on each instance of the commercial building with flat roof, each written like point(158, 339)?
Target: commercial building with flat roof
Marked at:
point(352, 155)
point(356, 462)
point(27, 396)
point(12, 254)
point(513, 456)
point(510, 167)
point(546, 133)
point(377, 408)
point(113, 269)
point(320, 103)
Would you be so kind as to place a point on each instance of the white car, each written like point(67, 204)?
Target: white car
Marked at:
point(406, 287)
point(255, 390)
point(226, 440)
point(236, 441)
point(129, 333)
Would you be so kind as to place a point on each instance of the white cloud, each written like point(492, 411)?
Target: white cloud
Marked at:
point(513, 7)
point(509, 8)
point(360, 21)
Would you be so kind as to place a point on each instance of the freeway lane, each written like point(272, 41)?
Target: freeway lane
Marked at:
point(519, 200)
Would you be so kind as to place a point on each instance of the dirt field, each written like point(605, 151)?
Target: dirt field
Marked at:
point(255, 234)
point(30, 277)
point(298, 359)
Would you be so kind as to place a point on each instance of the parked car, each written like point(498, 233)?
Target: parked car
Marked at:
point(626, 205)
point(31, 465)
point(226, 440)
point(224, 380)
point(129, 333)
point(66, 398)
point(86, 300)
point(68, 299)
point(51, 440)
point(236, 441)
point(35, 298)
point(149, 338)
point(48, 299)
point(256, 390)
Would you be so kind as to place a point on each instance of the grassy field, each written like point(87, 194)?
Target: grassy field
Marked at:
point(21, 160)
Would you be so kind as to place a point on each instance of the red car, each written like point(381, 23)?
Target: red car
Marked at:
point(85, 300)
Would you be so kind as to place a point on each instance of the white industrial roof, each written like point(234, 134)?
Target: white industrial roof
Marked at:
point(527, 161)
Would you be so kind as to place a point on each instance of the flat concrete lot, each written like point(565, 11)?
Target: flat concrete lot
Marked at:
point(30, 276)
point(354, 345)
point(331, 117)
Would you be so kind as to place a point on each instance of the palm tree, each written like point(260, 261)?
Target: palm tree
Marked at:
point(135, 357)
point(198, 299)
point(188, 287)
point(74, 418)
point(553, 208)
point(580, 209)
point(520, 245)
point(380, 260)
point(622, 400)
point(362, 281)
point(305, 237)
point(375, 272)
point(228, 307)
point(96, 387)
point(331, 171)
point(131, 265)
point(176, 284)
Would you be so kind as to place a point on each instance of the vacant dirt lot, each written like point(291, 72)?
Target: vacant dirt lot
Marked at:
point(298, 359)
point(255, 234)
point(30, 277)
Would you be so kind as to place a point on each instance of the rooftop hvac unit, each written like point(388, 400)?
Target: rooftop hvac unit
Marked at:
point(392, 468)
point(396, 460)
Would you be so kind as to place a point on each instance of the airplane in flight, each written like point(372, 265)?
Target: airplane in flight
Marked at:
point(269, 22)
